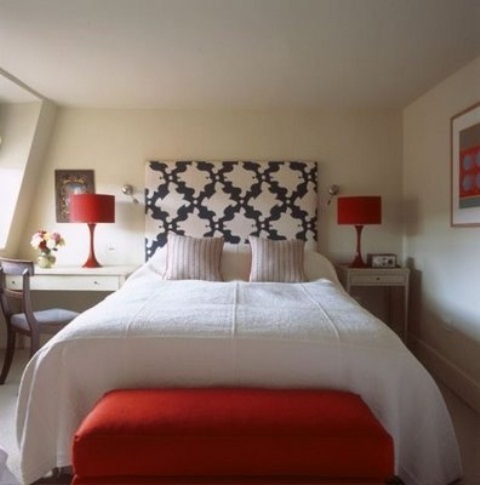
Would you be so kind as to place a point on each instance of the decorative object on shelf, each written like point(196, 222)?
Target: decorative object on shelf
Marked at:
point(46, 243)
point(69, 182)
point(92, 209)
point(465, 183)
point(382, 260)
point(359, 211)
point(127, 189)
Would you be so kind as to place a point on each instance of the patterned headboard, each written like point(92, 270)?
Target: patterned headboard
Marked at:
point(233, 199)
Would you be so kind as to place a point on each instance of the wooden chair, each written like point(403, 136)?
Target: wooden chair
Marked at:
point(16, 305)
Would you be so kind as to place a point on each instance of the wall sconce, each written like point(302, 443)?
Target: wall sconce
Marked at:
point(333, 190)
point(359, 211)
point(127, 189)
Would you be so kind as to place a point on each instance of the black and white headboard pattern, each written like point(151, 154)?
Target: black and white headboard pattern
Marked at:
point(233, 199)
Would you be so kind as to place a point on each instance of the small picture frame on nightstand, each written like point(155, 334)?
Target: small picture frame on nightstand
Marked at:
point(382, 260)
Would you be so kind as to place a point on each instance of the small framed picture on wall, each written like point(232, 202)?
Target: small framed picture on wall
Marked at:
point(465, 169)
point(69, 182)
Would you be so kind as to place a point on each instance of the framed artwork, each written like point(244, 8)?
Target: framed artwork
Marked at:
point(465, 170)
point(71, 182)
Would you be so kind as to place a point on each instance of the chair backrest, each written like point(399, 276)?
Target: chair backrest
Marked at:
point(15, 267)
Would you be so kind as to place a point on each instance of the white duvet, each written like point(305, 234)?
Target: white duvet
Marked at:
point(155, 333)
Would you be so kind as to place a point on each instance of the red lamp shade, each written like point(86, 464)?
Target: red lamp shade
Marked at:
point(92, 208)
point(359, 211)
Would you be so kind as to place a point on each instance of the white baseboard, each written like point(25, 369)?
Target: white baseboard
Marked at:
point(450, 374)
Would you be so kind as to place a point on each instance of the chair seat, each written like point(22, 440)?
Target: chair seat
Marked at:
point(50, 317)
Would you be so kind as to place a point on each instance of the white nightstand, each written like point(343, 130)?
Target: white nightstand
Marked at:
point(384, 277)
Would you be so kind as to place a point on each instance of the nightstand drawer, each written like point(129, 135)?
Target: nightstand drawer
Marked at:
point(377, 279)
point(83, 283)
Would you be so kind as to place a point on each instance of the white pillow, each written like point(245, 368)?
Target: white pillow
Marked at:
point(192, 258)
point(279, 261)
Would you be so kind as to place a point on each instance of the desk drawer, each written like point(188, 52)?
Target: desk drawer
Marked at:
point(377, 279)
point(13, 282)
point(70, 283)
point(79, 283)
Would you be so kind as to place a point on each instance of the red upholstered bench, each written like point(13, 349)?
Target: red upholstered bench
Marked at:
point(225, 436)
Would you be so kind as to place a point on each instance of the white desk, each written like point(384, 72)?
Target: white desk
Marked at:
point(74, 278)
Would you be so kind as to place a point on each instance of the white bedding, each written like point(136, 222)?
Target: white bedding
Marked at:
point(154, 333)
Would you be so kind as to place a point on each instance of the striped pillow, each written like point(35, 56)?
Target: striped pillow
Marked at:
point(190, 258)
point(280, 261)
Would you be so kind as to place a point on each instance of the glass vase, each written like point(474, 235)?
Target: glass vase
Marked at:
point(45, 260)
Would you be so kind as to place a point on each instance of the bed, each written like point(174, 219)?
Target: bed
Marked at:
point(157, 332)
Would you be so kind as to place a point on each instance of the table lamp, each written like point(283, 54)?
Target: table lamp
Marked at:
point(92, 209)
point(359, 211)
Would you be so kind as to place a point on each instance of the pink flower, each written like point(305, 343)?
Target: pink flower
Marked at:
point(47, 241)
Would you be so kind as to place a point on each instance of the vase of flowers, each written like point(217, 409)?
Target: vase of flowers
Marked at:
point(46, 243)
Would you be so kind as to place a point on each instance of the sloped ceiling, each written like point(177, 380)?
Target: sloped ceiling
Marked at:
point(236, 53)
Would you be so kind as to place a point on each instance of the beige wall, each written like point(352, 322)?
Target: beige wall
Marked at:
point(446, 296)
point(360, 151)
